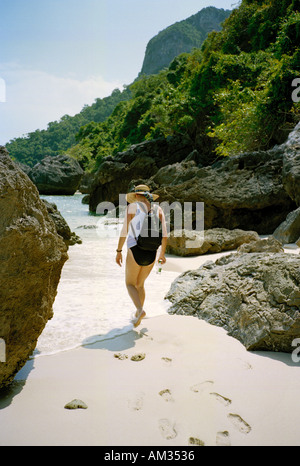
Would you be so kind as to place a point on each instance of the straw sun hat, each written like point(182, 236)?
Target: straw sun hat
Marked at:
point(140, 189)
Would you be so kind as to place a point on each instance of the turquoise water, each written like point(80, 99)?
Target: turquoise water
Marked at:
point(92, 301)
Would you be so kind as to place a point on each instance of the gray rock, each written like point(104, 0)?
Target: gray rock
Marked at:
point(57, 175)
point(193, 243)
point(70, 238)
point(255, 297)
point(32, 255)
point(262, 245)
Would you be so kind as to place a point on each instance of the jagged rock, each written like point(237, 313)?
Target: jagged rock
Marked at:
point(57, 175)
point(32, 255)
point(262, 245)
point(243, 192)
point(86, 183)
point(140, 162)
point(289, 230)
point(193, 243)
point(70, 238)
point(255, 297)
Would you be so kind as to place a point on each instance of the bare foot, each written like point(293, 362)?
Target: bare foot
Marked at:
point(139, 318)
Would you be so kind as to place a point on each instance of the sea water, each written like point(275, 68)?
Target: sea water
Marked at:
point(92, 302)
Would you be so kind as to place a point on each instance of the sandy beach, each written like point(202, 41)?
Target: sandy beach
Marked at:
point(188, 383)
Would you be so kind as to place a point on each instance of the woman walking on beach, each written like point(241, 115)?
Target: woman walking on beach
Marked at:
point(140, 261)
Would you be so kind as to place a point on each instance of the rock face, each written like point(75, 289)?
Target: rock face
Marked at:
point(70, 238)
point(57, 175)
point(193, 243)
point(141, 161)
point(255, 297)
point(243, 192)
point(252, 191)
point(31, 256)
point(181, 37)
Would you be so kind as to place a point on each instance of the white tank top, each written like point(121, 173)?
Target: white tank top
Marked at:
point(136, 225)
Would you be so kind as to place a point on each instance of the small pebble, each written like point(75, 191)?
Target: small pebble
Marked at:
point(76, 404)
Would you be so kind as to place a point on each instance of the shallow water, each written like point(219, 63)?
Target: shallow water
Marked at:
point(92, 301)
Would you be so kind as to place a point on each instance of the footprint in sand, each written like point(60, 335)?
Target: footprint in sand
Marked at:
point(138, 357)
point(200, 387)
point(166, 395)
point(223, 439)
point(167, 361)
point(136, 403)
point(222, 399)
point(239, 423)
point(167, 429)
point(196, 441)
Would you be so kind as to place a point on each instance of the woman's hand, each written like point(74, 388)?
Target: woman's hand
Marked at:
point(119, 259)
point(162, 259)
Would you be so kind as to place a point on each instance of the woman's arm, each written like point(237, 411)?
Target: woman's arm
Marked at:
point(124, 232)
point(164, 242)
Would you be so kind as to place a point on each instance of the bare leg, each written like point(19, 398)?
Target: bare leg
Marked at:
point(132, 272)
point(142, 276)
point(135, 280)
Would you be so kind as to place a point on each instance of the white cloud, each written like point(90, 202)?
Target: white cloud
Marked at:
point(35, 98)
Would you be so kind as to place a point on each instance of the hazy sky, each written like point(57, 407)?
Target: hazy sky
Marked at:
point(58, 55)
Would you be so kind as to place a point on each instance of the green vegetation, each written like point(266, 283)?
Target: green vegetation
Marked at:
point(60, 135)
point(230, 96)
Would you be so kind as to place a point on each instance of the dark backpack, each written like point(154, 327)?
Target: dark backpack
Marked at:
point(150, 236)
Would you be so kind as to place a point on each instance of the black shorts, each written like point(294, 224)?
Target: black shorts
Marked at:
point(143, 257)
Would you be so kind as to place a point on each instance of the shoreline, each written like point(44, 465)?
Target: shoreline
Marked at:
point(195, 385)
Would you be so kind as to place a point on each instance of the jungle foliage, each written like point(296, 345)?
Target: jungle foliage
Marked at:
point(234, 94)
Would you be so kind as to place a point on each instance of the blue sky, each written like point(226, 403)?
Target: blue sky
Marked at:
point(58, 55)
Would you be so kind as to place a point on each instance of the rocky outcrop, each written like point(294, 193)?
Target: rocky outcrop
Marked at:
point(181, 37)
point(31, 256)
point(141, 161)
point(57, 175)
point(243, 192)
point(193, 243)
point(70, 238)
point(248, 192)
point(255, 297)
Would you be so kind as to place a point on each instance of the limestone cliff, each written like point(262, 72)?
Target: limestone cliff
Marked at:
point(181, 37)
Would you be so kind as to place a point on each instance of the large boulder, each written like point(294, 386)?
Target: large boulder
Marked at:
point(57, 175)
point(243, 192)
point(32, 255)
point(255, 297)
point(194, 243)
